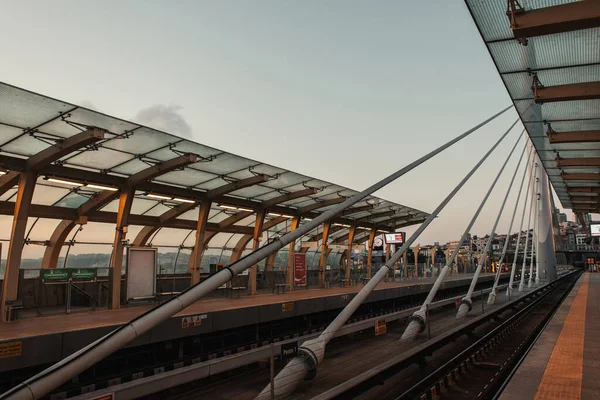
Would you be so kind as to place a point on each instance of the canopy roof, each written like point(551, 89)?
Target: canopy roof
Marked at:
point(238, 187)
point(548, 55)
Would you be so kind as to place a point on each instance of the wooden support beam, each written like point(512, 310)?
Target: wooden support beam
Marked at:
point(591, 176)
point(351, 235)
point(116, 263)
point(290, 267)
point(571, 92)
point(196, 256)
point(556, 19)
point(146, 233)
point(370, 254)
point(63, 148)
point(583, 189)
point(79, 175)
point(574, 136)
point(17, 240)
point(578, 162)
point(323, 258)
point(258, 229)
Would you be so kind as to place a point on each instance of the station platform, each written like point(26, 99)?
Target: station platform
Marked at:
point(51, 338)
point(564, 362)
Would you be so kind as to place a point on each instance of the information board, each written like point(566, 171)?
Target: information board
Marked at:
point(380, 327)
point(83, 274)
point(289, 350)
point(394, 238)
point(141, 272)
point(300, 269)
point(55, 274)
point(595, 229)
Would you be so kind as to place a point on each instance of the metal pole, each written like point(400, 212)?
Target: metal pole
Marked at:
point(272, 362)
point(494, 292)
point(482, 302)
point(514, 264)
point(466, 302)
point(419, 317)
point(535, 218)
point(311, 353)
point(49, 379)
point(531, 189)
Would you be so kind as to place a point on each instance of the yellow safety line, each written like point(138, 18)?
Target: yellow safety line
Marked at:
point(563, 375)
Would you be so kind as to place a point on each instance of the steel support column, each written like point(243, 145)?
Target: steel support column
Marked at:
point(323, 260)
point(17, 239)
point(546, 248)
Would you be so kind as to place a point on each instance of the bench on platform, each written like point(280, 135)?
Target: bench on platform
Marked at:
point(235, 289)
point(280, 287)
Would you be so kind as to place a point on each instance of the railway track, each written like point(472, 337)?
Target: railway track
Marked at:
point(482, 369)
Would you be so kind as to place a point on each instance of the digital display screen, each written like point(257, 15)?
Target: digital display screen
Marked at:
point(394, 238)
point(595, 229)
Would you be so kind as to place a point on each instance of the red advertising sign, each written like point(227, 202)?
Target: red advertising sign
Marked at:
point(300, 269)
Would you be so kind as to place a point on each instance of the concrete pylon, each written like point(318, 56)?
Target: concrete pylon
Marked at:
point(546, 256)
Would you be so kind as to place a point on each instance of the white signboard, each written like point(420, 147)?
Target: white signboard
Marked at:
point(141, 272)
point(595, 229)
point(310, 244)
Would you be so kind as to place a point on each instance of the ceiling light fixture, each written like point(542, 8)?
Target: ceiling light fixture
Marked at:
point(93, 186)
point(225, 206)
point(158, 196)
point(184, 200)
point(64, 182)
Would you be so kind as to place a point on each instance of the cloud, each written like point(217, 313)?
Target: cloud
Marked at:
point(165, 118)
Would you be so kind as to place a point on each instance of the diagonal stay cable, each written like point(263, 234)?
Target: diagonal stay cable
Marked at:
point(311, 353)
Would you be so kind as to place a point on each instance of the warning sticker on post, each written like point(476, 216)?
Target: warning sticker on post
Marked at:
point(380, 327)
point(10, 349)
point(192, 321)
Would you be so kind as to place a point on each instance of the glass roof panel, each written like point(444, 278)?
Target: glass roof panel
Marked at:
point(72, 200)
point(118, 155)
point(184, 146)
point(10, 194)
point(48, 195)
point(8, 133)
point(142, 141)
point(157, 210)
point(103, 159)
point(251, 191)
point(559, 59)
point(28, 110)
point(130, 167)
point(170, 237)
point(25, 145)
point(227, 163)
point(93, 118)
point(186, 177)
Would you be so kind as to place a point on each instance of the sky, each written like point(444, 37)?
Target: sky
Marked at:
point(341, 90)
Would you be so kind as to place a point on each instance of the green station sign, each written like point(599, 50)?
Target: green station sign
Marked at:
point(55, 274)
point(83, 274)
